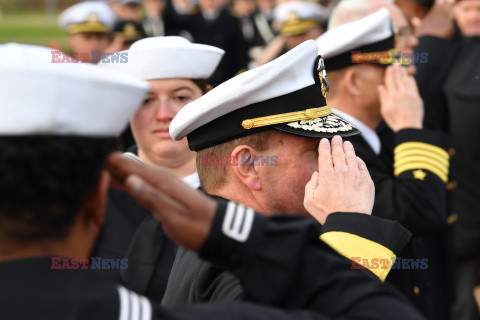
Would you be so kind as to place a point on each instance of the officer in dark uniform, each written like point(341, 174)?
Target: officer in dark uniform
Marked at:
point(49, 227)
point(411, 176)
point(214, 25)
point(270, 104)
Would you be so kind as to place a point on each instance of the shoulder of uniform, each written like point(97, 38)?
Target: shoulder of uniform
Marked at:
point(133, 306)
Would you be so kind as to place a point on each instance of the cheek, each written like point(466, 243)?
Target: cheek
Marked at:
point(140, 122)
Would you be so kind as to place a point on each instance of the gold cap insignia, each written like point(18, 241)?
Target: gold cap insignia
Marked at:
point(322, 74)
point(93, 18)
point(130, 32)
point(293, 17)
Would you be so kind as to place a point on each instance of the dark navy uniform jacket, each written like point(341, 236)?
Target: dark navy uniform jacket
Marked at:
point(410, 177)
point(279, 261)
point(194, 280)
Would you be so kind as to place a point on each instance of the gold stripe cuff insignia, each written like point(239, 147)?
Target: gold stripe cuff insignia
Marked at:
point(420, 155)
point(421, 165)
point(308, 114)
point(424, 146)
point(424, 153)
point(379, 258)
point(421, 159)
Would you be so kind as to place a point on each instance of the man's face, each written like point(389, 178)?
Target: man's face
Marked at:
point(266, 5)
point(210, 5)
point(244, 7)
point(312, 34)
point(406, 41)
point(283, 186)
point(369, 77)
point(467, 16)
point(86, 42)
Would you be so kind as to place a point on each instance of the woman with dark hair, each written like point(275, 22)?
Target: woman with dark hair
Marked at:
point(176, 70)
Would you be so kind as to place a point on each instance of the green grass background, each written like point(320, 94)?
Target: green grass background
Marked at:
point(32, 27)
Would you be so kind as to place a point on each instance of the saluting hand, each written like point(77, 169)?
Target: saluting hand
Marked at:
point(342, 183)
point(401, 104)
point(185, 213)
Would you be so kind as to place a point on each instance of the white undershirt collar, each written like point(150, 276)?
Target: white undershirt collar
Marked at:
point(368, 134)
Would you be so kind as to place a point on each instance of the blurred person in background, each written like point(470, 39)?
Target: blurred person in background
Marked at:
point(127, 9)
point(414, 10)
point(405, 40)
point(177, 71)
point(160, 17)
point(125, 33)
point(214, 25)
point(153, 22)
point(256, 29)
point(467, 17)
point(88, 25)
point(297, 21)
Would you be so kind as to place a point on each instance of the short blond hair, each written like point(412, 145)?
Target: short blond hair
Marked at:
point(214, 177)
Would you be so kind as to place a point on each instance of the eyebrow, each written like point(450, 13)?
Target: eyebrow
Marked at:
point(183, 88)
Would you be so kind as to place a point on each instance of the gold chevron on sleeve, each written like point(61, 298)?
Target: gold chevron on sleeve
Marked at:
point(420, 155)
point(422, 146)
point(379, 259)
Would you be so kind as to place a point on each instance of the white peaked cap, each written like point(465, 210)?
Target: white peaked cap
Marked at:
point(80, 13)
point(298, 17)
point(169, 58)
point(304, 10)
point(352, 35)
point(41, 97)
point(289, 83)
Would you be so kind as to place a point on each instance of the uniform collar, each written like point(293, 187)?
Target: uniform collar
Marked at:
point(368, 134)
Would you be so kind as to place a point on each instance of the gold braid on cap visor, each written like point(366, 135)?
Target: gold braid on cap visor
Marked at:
point(95, 26)
point(308, 114)
point(392, 56)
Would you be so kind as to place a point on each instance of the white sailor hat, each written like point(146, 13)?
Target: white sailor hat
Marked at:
point(285, 94)
point(366, 40)
point(170, 57)
point(297, 17)
point(41, 97)
point(89, 16)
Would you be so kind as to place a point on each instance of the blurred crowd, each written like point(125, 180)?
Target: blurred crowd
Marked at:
point(445, 33)
point(403, 73)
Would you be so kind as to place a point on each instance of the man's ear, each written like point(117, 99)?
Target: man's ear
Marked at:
point(244, 159)
point(95, 205)
point(209, 87)
point(351, 82)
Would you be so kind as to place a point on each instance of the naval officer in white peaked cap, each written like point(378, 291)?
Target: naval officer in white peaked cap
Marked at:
point(258, 139)
point(88, 25)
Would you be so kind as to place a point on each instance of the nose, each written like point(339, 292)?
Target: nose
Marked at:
point(164, 111)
